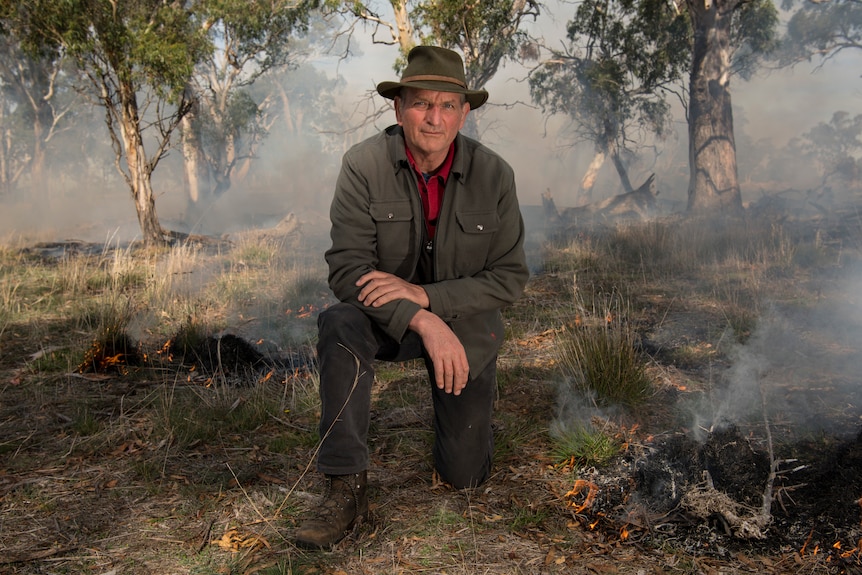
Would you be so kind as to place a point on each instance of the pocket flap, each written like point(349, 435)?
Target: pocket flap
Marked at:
point(478, 222)
point(391, 211)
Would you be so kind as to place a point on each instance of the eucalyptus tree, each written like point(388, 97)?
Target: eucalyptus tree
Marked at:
point(229, 119)
point(137, 56)
point(623, 58)
point(835, 146)
point(37, 100)
point(611, 77)
point(729, 36)
point(16, 134)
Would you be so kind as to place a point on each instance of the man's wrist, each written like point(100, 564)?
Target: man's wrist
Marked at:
point(421, 320)
point(425, 301)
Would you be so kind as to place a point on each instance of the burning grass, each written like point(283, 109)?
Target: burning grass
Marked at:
point(197, 456)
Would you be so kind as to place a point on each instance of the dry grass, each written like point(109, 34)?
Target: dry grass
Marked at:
point(160, 468)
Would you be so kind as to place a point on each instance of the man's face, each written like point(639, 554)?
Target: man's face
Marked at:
point(430, 120)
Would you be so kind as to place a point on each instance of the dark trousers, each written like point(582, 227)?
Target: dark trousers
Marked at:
point(348, 344)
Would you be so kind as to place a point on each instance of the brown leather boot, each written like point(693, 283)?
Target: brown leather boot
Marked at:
point(345, 501)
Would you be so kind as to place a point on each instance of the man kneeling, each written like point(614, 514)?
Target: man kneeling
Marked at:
point(427, 247)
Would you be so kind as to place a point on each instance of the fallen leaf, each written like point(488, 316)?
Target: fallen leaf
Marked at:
point(234, 541)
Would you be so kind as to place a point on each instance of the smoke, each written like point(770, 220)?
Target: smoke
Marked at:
point(799, 369)
point(296, 171)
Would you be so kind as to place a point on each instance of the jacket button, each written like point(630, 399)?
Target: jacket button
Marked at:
point(391, 215)
point(480, 227)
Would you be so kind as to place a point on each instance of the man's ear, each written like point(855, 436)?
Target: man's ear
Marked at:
point(465, 110)
point(397, 102)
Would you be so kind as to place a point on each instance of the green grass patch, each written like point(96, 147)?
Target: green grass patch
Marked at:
point(580, 445)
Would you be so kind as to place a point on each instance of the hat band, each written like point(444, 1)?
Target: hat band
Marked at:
point(435, 78)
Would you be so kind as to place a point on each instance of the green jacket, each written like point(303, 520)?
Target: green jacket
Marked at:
point(377, 224)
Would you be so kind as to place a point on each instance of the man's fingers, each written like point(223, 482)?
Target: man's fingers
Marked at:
point(376, 292)
point(451, 368)
point(380, 290)
point(460, 382)
point(450, 378)
point(443, 375)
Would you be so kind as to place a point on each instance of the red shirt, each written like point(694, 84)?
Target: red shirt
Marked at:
point(431, 188)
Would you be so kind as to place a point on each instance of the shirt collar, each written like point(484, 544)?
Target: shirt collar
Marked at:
point(444, 169)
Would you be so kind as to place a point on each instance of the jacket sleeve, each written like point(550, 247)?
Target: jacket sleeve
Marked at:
point(501, 275)
point(354, 245)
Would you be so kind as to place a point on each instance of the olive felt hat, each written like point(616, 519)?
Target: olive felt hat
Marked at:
point(434, 68)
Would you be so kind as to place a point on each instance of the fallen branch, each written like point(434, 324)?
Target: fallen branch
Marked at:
point(706, 501)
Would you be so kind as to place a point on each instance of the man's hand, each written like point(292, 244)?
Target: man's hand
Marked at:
point(380, 288)
point(443, 346)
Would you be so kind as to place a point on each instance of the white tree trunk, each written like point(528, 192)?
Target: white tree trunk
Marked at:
point(138, 175)
point(589, 179)
point(191, 160)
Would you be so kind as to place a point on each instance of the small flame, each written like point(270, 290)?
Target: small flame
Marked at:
point(852, 551)
point(303, 311)
point(807, 540)
point(580, 485)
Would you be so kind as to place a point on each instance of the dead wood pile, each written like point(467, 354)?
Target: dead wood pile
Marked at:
point(287, 226)
point(639, 204)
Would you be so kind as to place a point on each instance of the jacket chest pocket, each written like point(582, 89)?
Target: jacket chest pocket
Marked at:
point(394, 222)
point(477, 231)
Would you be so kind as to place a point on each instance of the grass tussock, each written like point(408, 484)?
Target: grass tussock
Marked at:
point(599, 358)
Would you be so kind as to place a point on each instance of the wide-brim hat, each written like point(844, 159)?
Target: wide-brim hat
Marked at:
point(434, 68)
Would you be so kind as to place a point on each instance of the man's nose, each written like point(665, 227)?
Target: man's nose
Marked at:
point(432, 116)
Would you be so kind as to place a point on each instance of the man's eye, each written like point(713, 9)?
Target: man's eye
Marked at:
point(420, 105)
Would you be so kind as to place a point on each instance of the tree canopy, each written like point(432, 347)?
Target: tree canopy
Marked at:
point(612, 76)
point(623, 58)
point(821, 29)
point(227, 121)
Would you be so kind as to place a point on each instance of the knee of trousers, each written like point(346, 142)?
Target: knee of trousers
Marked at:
point(345, 325)
point(462, 467)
